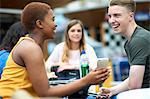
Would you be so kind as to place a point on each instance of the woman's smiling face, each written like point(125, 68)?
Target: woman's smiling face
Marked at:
point(75, 33)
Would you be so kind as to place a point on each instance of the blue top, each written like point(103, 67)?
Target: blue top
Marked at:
point(3, 58)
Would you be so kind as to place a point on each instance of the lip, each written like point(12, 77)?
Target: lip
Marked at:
point(76, 37)
point(115, 26)
point(54, 30)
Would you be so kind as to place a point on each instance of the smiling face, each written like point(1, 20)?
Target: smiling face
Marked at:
point(39, 17)
point(119, 18)
point(49, 26)
point(75, 33)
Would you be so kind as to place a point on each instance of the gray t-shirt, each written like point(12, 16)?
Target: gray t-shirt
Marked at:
point(138, 52)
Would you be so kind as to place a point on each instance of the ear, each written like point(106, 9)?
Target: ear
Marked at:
point(39, 24)
point(131, 16)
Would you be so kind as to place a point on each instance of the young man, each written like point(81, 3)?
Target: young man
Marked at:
point(25, 67)
point(121, 17)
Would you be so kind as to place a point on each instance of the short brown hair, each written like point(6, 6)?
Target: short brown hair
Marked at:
point(32, 12)
point(129, 4)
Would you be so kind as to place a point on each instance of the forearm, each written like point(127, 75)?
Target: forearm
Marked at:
point(121, 87)
point(67, 89)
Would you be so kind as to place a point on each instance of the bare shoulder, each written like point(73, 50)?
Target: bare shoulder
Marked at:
point(27, 51)
point(28, 47)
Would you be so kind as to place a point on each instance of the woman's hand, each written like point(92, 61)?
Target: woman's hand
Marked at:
point(97, 76)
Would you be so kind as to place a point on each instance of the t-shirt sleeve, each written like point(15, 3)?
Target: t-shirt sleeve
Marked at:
point(139, 51)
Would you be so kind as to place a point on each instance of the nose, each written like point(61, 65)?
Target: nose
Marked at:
point(55, 25)
point(111, 19)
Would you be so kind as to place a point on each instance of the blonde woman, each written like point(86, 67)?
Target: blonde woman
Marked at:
point(66, 55)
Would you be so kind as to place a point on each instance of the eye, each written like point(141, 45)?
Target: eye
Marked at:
point(117, 15)
point(109, 16)
point(79, 30)
point(73, 30)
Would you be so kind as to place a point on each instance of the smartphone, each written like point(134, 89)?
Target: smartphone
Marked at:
point(102, 62)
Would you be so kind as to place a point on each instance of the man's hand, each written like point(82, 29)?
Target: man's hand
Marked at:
point(106, 92)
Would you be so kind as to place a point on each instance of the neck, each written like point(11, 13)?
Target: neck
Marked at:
point(37, 37)
point(130, 30)
point(74, 46)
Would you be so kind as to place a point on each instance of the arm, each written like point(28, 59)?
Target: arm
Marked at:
point(136, 76)
point(116, 89)
point(134, 81)
point(35, 66)
point(137, 53)
point(67, 66)
point(138, 59)
point(94, 77)
point(119, 88)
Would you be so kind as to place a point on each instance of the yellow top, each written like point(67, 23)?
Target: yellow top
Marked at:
point(15, 77)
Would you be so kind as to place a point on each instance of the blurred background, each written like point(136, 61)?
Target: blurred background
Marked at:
point(93, 14)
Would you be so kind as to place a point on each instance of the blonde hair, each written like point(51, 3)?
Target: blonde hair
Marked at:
point(67, 45)
point(129, 4)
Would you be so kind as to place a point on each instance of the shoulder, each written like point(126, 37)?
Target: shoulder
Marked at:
point(29, 45)
point(141, 29)
point(59, 46)
point(88, 46)
point(89, 49)
point(139, 43)
point(142, 34)
point(28, 48)
point(141, 37)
